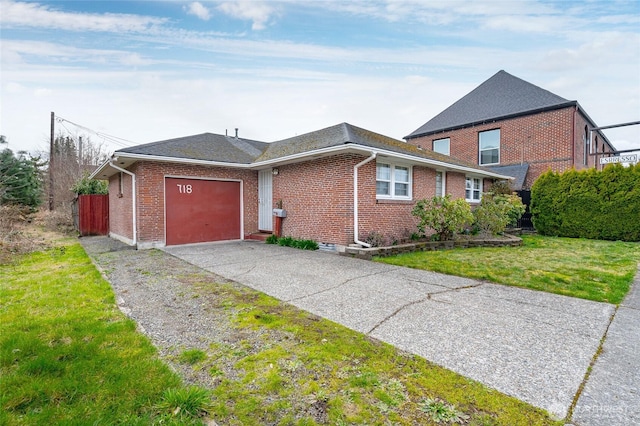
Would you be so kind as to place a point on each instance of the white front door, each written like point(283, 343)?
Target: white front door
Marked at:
point(265, 196)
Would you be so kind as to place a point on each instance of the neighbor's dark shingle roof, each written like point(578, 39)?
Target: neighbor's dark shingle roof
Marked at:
point(518, 171)
point(206, 147)
point(501, 96)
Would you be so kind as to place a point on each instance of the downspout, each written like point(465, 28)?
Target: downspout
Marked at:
point(133, 197)
point(355, 198)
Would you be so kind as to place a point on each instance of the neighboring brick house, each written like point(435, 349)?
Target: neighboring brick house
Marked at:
point(336, 185)
point(515, 128)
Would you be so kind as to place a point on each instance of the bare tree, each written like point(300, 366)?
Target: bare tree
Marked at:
point(75, 157)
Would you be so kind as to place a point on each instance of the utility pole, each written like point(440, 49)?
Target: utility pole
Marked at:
point(51, 149)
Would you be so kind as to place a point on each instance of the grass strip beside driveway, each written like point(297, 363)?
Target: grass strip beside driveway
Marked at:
point(67, 354)
point(270, 363)
point(589, 269)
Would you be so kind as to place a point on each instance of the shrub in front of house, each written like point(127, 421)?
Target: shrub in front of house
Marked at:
point(592, 204)
point(497, 211)
point(292, 242)
point(446, 217)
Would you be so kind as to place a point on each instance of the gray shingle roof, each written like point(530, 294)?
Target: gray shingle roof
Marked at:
point(501, 96)
point(518, 171)
point(206, 146)
point(219, 148)
point(346, 133)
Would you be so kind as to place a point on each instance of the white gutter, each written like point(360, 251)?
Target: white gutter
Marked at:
point(311, 154)
point(355, 198)
point(133, 197)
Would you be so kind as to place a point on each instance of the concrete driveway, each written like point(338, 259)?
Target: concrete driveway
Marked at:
point(532, 345)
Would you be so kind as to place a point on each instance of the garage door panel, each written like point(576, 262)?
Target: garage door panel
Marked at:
point(202, 210)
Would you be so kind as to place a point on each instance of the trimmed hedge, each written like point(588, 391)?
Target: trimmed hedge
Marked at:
point(603, 205)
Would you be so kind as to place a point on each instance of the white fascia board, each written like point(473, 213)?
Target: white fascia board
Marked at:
point(310, 155)
point(179, 160)
point(100, 169)
point(438, 164)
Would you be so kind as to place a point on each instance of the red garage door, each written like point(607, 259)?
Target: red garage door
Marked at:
point(202, 210)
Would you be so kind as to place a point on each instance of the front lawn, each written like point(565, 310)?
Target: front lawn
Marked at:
point(68, 355)
point(589, 269)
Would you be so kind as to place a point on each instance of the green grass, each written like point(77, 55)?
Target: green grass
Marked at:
point(68, 355)
point(292, 368)
point(589, 269)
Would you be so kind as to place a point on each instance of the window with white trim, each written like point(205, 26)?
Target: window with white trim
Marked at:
point(442, 146)
point(473, 189)
point(440, 184)
point(489, 147)
point(393, 181)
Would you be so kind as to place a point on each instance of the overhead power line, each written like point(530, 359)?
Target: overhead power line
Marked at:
point(121, 142)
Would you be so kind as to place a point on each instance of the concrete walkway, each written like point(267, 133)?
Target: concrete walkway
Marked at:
point(532, 345)
point(611, 395)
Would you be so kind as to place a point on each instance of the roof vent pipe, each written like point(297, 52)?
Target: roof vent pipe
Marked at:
point(236, 133)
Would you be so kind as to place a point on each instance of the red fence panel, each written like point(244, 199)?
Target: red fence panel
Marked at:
point(93, 214)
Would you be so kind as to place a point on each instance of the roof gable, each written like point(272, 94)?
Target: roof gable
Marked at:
point(501, 96)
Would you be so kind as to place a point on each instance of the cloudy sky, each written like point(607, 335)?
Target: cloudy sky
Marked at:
point(152, 70)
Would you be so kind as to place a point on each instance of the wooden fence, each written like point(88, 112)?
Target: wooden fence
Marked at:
point(91, 214)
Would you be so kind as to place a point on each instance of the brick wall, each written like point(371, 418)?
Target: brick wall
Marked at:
point(120, 207)
point(318, 197)
point(150, 198)
point(551, 139)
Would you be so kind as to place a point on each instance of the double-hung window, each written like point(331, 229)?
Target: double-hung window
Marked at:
point(393, 181)
point(473, 189)
point(442, 146)
point(489, 147)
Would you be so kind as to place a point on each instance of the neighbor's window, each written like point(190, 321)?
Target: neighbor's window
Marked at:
point(441, 146)
point(440, 182)
point(393, 181)
point(586, 145)
point(489, 144)
point(473, 189)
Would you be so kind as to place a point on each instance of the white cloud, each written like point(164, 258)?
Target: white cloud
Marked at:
point(17, 50)
point(42, 92)
point(13, 87)
point(275, 88)
point(21, 14)
point(258, 12)
point(198, 9)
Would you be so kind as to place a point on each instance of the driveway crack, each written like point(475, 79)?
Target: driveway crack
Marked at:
point(336, 286)
point(424, 299)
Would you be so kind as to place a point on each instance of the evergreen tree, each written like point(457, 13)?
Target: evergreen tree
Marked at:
point(20, 180)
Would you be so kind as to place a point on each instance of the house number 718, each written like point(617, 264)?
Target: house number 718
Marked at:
point(184, 189)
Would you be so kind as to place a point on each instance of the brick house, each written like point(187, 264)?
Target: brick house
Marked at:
point(336, 185)
point(514, 128)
